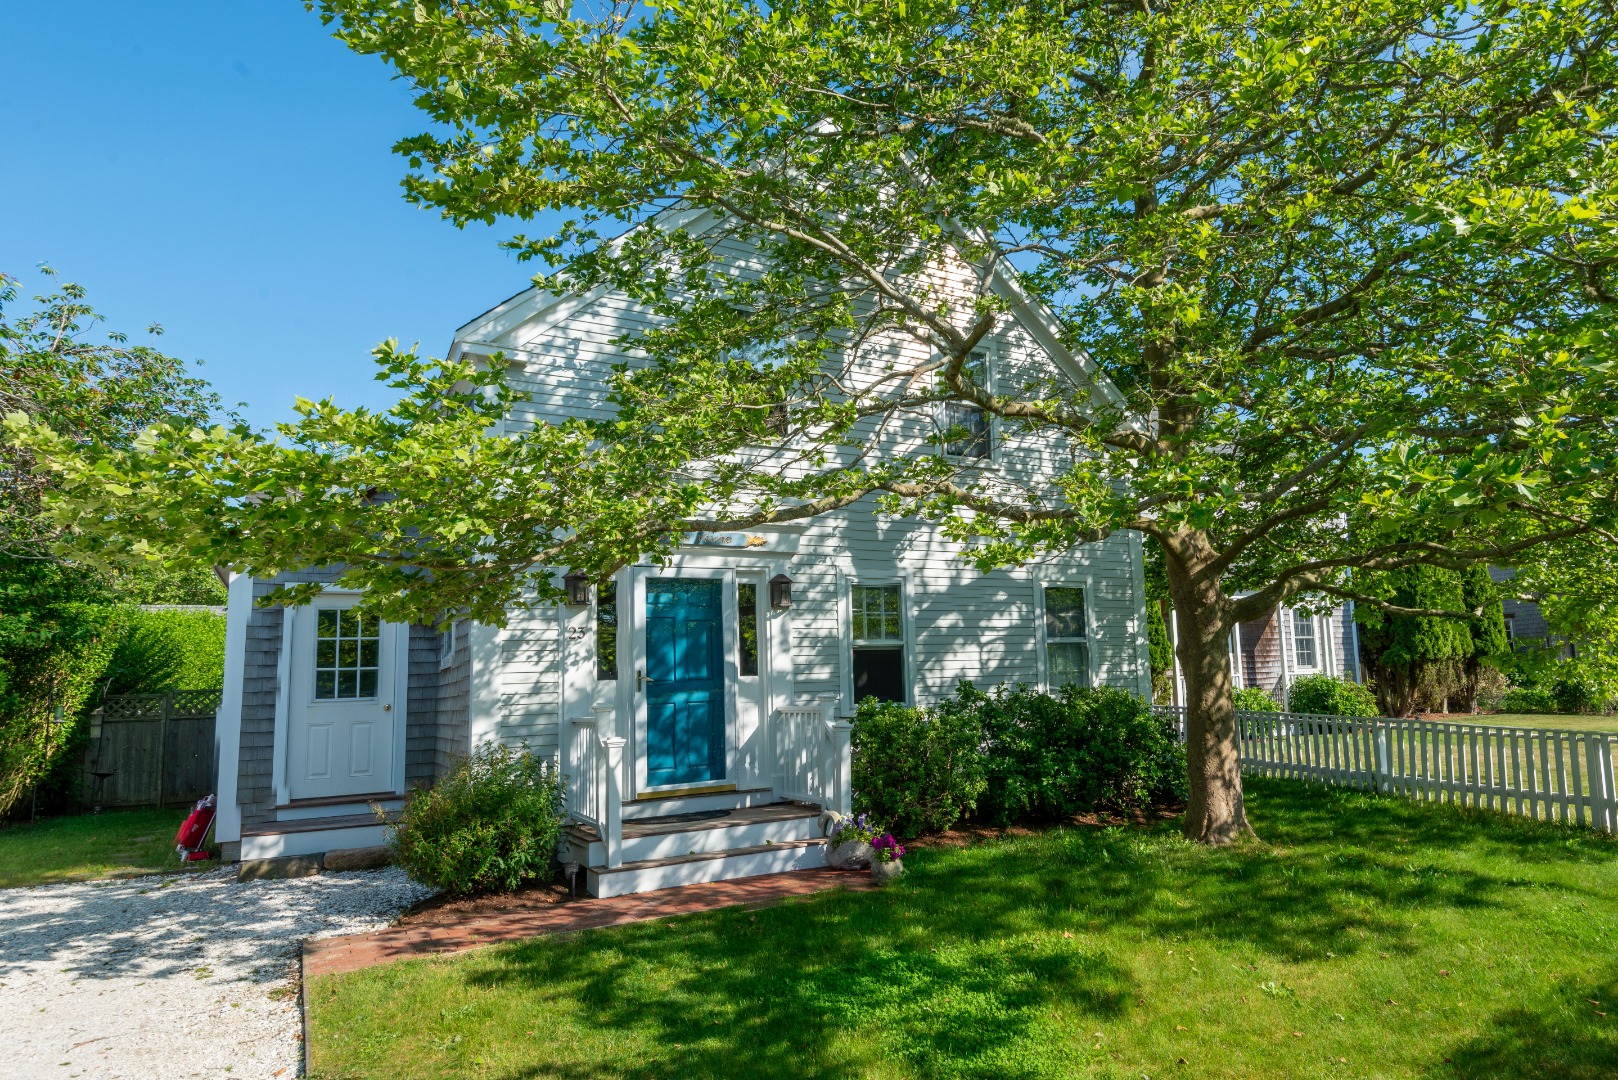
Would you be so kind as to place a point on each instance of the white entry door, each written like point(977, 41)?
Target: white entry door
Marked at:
point(342, 721)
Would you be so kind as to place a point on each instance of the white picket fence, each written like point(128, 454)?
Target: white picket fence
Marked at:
point(1544, 773)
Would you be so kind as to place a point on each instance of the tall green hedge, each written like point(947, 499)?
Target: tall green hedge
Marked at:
point(169, 650)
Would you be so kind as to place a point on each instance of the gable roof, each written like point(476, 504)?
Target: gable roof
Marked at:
point(538, 309)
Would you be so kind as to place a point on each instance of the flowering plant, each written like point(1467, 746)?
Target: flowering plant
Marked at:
point(887, 848)
point(852, 829)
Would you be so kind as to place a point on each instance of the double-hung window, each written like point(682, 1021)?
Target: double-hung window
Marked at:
point(1067, 637)
point(879, 647)
point(964, 427)
point(1305, 648)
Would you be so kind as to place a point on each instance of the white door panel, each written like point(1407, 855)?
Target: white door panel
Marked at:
point(342, 727)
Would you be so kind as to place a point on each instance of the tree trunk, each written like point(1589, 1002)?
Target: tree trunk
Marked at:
point(1215, 813)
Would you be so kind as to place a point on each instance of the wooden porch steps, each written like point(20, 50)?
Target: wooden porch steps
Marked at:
point(648, 875)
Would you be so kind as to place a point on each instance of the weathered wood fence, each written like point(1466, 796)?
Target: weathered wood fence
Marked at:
point(1544, 773)
point(151, 749)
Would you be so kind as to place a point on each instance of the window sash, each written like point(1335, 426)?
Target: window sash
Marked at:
point(877, 618)
point(977, 442)
point(1305, 650)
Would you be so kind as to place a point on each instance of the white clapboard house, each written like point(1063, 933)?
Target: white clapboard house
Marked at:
point(696, 707)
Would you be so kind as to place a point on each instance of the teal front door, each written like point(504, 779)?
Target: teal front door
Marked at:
point(685, 688)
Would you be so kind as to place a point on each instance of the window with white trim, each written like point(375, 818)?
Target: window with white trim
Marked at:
point(878, 636)
point(1067, 637)
point(963, 428)
point(1305, 645)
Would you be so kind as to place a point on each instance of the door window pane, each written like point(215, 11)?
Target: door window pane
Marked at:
point(347, 655)
point(607, 631)
point(747, 636)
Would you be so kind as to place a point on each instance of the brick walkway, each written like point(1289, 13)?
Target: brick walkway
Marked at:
point(331, 956)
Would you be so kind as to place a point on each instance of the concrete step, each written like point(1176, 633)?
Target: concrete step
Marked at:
point(653, 874)
point(310, 836)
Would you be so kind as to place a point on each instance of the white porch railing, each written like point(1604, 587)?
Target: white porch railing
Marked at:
point(592, 772)
point(1545, 773)
point(812, 749)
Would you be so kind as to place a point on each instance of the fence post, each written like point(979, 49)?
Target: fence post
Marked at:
point(163, 745)
point(1384, 760)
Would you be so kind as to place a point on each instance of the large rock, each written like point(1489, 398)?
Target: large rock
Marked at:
point(850, 855)
point(288, 866)
point(358, 858)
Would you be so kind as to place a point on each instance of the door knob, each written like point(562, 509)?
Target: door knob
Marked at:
point(641, 679)
point(388, 707)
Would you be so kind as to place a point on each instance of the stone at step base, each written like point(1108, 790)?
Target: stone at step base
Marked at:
point(291, 866)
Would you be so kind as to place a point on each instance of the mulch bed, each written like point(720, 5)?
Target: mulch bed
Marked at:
point(968, 833)
point(442, 910)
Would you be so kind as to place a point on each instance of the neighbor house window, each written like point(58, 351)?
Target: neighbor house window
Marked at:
point(879, 657)
point(346, 651)
point(964, 427)
point(1304, 651)
point(607, 631)
point(446, 645)
point(1067, 637)
point(747, 620)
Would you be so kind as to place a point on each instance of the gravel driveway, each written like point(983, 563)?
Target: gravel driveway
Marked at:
point(181, 976)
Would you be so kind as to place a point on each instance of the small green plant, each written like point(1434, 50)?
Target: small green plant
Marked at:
point(488, 826)
point(1254, 699)
point(1330, 696)
point(1576, 695)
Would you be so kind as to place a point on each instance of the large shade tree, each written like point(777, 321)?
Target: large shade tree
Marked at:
point(1347, 267)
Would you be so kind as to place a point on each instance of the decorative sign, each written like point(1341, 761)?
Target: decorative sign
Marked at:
point(725, 539)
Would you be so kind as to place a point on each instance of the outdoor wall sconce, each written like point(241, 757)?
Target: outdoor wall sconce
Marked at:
point(780, 592)
point(577, 584)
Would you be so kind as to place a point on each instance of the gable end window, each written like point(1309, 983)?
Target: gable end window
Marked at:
point(964, 427)
point(878, 633)
point(1067, 637)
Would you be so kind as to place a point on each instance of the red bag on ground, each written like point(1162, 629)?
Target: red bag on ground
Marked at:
point(188, 841)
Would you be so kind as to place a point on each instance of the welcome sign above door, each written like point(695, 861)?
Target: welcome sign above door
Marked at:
point(772, 540)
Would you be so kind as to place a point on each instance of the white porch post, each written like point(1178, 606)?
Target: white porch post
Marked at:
point(839, 769)
point(610, 760)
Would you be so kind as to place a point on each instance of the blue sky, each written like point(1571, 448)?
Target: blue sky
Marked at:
point(224, 169)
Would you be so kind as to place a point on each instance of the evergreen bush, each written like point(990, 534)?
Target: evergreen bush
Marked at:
point(1330, 696)
point(918, 770)
point(490, 825)
point(1011, 754)
point(1527, 699)
point(1254, 699)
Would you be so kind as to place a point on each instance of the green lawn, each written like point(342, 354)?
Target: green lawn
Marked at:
point(1366, 937)
point(89, 846)
point(1555, 722)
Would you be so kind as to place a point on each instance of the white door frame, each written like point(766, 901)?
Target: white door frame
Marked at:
point(634, 620)
point(400, 691)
